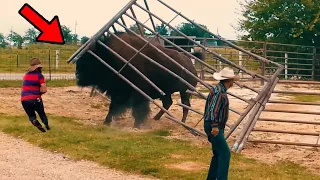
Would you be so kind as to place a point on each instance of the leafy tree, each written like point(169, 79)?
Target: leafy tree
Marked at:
point(31, 35)
point(3, 42)
point(285, 21)
point(135, 28)
point(191, 30)
point(162, 29)
point(74, 38)
point(67, 35)
point(84, 39)
point(16, 38)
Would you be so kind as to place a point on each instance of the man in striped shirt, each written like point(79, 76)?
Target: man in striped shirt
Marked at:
point(33, 87)
point(216, 115)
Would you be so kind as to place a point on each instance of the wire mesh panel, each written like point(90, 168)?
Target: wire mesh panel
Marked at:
point(128, 53)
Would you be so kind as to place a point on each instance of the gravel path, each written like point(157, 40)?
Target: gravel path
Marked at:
point(21, 160)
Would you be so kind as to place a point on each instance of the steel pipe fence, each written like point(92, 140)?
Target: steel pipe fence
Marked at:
point(120, 23)
point(298, 61)
point(314, 123)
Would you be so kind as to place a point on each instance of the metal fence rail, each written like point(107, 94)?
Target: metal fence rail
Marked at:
point(299, 61)
point(313, 131)
point(120, 23)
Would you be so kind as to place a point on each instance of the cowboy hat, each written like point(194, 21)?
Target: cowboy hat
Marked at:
point(226, 73)
point(34, 64)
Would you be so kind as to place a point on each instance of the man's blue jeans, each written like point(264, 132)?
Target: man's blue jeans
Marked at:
point(220, 160)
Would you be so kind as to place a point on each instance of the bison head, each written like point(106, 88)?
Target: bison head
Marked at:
point(92, 72)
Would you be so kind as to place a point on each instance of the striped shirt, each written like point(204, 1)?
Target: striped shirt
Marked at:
point(217, 106)
point(31, 86)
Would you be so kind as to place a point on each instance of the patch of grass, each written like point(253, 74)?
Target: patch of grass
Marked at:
point(52, 83)
point(17, 60)
point(305, 98)
point(141, 153)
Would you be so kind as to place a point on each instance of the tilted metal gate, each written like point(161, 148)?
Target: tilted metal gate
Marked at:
point(255, 106)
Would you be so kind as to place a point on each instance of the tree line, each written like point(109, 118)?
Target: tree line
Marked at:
point(30, 35)
point(279, 21)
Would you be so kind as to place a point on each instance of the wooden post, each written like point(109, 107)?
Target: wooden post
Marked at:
point(49, 64)
point(240, 63)
point(263, 65)
point(204, 42)
point(314, 63)
point(17, 60)
point(220, 64)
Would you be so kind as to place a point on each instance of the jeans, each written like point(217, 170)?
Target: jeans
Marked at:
point(220, 160)
point(32, 106)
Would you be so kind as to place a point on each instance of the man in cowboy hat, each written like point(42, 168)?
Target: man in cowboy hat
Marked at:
point(216, 114)
point(33, 87)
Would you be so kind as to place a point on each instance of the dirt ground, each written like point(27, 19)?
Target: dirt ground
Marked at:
point(76, 102)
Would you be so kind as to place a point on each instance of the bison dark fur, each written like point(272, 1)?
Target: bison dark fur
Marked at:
point(91, 72)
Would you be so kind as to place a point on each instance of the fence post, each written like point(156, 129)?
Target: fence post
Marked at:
point(263, 65)
point(204, 42)
point(220, 64)
point(17, 60)
point(49, 64)
point(57, 58)
point(240, 63)
point(314, 63)
point(286, 66)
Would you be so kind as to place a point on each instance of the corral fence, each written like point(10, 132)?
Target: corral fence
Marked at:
point(300, 62)
point(299, 121)
point(14, 62)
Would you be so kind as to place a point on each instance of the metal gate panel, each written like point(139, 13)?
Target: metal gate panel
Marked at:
point(128, 13)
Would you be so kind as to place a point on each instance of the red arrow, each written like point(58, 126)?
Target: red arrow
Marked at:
point(50, 31)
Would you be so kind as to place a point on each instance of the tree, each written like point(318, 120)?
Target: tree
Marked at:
point(190, 29)
point(16, 38)
point(74, 38)
point(285, 21)
point(67, 35)
point(3, 42)
point(31, 35)
point(162, 29)
point(84, 39)
point(135, 28)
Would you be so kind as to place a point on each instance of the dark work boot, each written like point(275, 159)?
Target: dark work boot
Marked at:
point(38, 125)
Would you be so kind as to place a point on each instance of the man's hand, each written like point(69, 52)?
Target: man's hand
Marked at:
point(43, 88)
point(215, 131)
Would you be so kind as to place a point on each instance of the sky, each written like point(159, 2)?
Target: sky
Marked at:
point(87, 17)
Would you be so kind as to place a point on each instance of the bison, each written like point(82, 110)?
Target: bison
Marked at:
point(91, 72)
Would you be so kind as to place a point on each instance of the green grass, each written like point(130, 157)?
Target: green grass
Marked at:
point(17, 60)
point(140, 153)
point(52, 83)
point(305, 98)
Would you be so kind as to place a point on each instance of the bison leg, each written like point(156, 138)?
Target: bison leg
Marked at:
point(185, 99)
point(117, 106)
point(140, 110)
point(166, 103)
